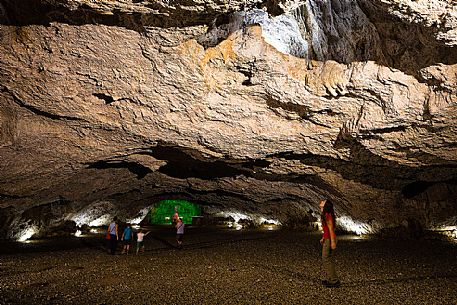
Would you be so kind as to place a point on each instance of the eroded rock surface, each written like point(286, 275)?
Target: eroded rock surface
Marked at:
point(262, 107)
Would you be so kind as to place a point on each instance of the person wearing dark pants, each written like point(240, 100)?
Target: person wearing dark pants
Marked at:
point(328, 243)
point(179, 233)
point(114, 236)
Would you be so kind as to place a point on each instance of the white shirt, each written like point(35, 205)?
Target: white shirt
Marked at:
point(180, 228)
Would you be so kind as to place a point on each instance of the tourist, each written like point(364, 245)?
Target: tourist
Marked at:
point(328, 243)
point(127, 237)
point(179, 232)
point(175, 216)
point(140, 241)
point(113, 235)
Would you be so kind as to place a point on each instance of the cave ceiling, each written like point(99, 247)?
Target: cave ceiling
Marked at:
point(259, 107)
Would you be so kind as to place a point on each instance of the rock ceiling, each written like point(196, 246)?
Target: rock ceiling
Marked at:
point(257, 107)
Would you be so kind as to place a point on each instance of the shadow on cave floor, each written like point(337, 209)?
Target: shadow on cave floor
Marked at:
point(161, 238)
point(221, 266)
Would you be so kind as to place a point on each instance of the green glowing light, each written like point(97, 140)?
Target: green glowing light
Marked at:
point(164, 210)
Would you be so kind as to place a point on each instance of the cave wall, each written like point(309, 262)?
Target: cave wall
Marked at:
point(262, 107)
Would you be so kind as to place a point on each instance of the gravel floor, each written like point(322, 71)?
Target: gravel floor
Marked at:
point(228, 267)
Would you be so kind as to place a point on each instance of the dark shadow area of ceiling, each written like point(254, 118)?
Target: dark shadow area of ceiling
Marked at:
point(130, 194)
point(6, 217)
point(185, 164)
point(46, 212)
point(347, 141)
point(189, 194)
point(135, 168)
point(413, 189)
point(6, 196)
point(406, 46)
point(273, 7)
point(400, 40)
point(370, 169)
point(104, 97)
point(219, 194)
point(302, 111)
point(412, 40)
point(36, 12)
point(419, 187)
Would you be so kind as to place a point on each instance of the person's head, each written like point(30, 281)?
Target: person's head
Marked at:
point(129, 225)
point(322, 204)
point(140, 231)
point(326, 206)
point(115, 218)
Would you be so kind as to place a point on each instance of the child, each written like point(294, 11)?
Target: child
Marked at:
point(139, 240)
point(127, 237)
point(179, 232)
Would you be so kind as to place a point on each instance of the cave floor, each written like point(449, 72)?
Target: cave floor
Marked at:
point(219, 266)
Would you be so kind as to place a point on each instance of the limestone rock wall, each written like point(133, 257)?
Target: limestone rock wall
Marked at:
point(262, 107)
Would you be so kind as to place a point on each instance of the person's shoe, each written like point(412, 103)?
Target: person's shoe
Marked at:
point(331, 285)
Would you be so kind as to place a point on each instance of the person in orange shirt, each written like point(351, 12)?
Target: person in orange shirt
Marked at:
point(328, 243)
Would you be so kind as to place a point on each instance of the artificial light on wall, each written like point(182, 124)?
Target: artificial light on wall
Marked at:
point(27, 233)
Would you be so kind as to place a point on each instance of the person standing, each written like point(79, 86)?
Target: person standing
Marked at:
point(114, 235)
point(179, 232)
point(127, 237)
point(140, 241)
point(328, 243)
point(175, 216)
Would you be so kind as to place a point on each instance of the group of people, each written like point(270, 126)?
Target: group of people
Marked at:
point(128, 236)
point(328, 240)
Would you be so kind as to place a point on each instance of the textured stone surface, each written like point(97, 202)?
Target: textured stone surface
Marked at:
point(259, 107)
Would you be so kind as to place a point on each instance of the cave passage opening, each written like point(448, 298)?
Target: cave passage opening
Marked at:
point(162, 213)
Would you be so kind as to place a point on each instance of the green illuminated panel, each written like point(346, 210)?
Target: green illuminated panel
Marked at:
point(163, 212)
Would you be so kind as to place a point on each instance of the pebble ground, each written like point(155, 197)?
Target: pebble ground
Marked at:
point(219, 266)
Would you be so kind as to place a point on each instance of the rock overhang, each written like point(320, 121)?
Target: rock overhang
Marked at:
point(132, 109)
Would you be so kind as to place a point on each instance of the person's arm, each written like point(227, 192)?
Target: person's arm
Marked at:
point(147, 233)
point(122, 238)
point(117, 232)
point(331, 229)
point(322, 239)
